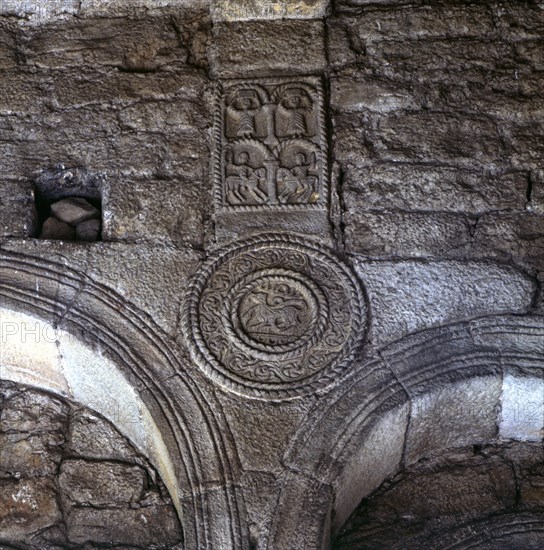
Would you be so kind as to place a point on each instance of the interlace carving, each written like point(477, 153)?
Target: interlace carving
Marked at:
point(274, 317)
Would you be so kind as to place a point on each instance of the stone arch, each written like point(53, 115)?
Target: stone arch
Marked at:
point(445, 387)
point(180, 425)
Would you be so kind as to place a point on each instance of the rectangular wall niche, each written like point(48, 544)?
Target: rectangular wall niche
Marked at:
point(69, 205)
point(270, 157)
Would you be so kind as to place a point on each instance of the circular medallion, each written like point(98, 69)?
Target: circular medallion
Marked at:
point(274, 317)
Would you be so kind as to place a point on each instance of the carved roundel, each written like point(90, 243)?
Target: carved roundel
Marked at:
point(274, 317)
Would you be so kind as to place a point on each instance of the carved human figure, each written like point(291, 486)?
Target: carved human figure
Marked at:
point(246, 105)
point(297, 104)
point(298, 184)
point(243, 187)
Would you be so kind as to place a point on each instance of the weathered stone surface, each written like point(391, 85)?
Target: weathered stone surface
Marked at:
point(18, 216)
point(74, 210)
point(461, 414)
point(240, 10)
point(54, 229)
point(409, 296)
point(257, 48)
point(102, 483)
point(175, 211)
point(30, 455)
point(26, 506)
point(511, 238)
point(419, 187)
point(473, 486)
point(40, 436)
point(90, 436)
point(158, 268)
point(31, 412)
point(407, 234)
point(522, 409)
point(89, 230)
point(138, 527)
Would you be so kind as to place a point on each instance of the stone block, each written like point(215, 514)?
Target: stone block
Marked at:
point(419, 187)
point(264, 434)
point(8, 48)
point(258, 48)
point(462, 413)
point(33, 413)
point(242, 10)
point(422, 22)
point(142, 45)
point(458, 139)
point(457, 487)
point(18, 216)
point(407, 234)
point(379, 456)
point(175, 211)
point(441, 60)
point(162, 271)
point(88, 230)
point(130, 527)
point(74, 210)
point(26, 506)
point(352, 94)
point(522, 408)
point(511, 237)
point(101, 483)
point(23, 455)
point(410, 296)
point(91, 437)
point(56, 230)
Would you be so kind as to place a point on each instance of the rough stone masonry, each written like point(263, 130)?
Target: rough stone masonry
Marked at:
point(306, 311)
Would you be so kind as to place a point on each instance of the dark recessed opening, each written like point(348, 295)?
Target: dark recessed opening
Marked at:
point(69, 205)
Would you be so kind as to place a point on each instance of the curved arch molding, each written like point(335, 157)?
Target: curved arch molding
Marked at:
point(63, 332)
point(462, 384)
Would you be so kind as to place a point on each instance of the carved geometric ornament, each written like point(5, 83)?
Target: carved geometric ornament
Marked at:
point(274, 317)
point(270, 150)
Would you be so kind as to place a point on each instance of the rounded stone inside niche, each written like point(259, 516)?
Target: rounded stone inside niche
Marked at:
point(276, 311)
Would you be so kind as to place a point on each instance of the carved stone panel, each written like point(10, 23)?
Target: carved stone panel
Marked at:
point(270, 150)
point(274, 317)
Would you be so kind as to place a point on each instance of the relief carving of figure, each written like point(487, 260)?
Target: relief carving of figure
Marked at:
point(297, 105)
point(244, 183)
point(274, 312)
point(246, 104)
point(298, 184)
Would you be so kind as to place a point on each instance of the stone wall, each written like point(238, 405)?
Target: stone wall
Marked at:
point(68, 479)
point(430, 141)
point(437, 113)
point(494, 498)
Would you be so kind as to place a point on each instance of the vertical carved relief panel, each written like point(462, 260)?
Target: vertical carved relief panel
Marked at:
point(273, 313)
point(270, 156)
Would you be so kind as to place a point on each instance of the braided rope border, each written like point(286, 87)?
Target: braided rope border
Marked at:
point(272, 391)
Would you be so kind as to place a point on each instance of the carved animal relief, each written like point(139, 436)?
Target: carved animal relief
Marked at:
point(274, 317)
point(270, 149)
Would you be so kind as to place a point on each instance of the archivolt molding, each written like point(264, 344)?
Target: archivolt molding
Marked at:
point(361, 432)
point(101, 323)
